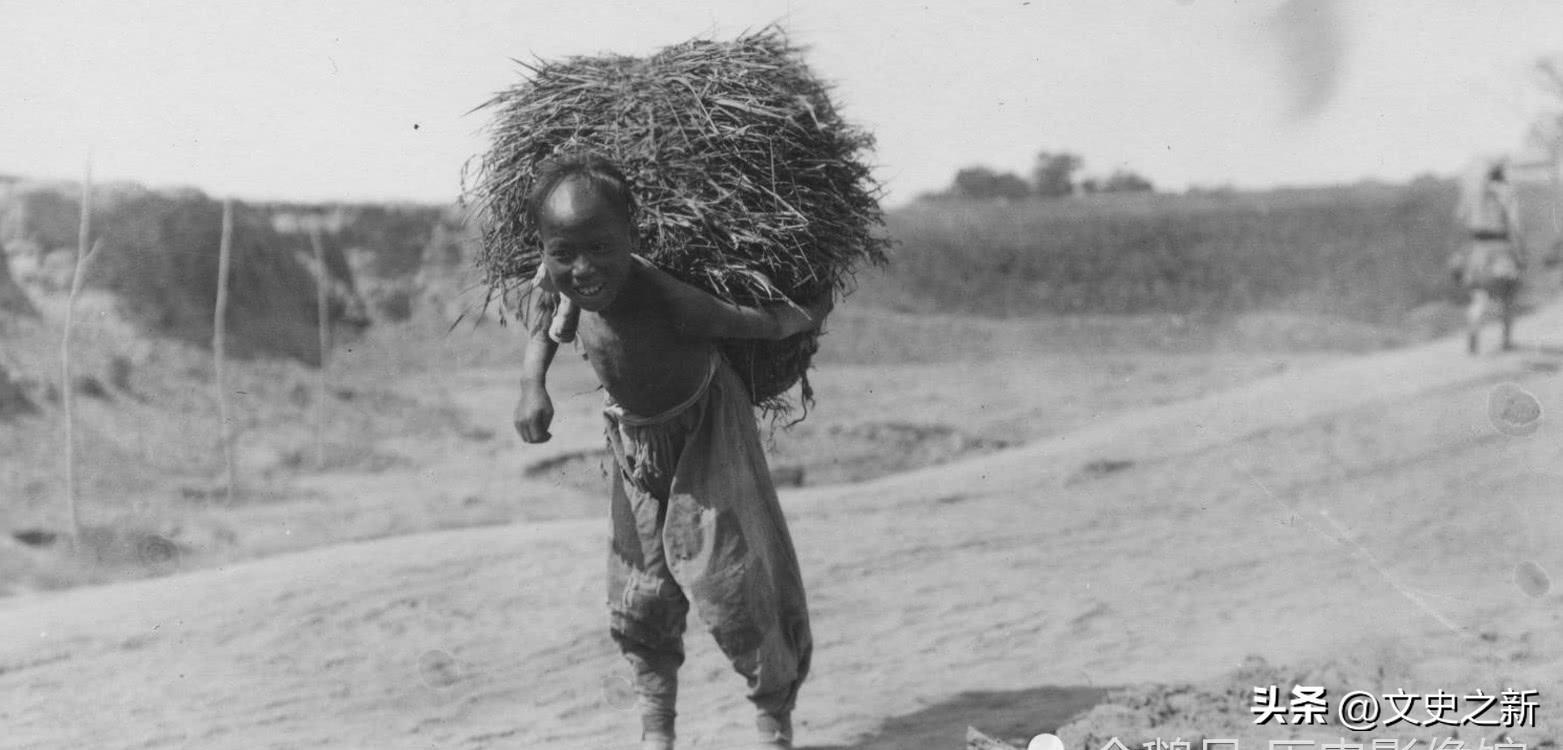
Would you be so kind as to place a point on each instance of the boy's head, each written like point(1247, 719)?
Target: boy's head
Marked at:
point(584, 213)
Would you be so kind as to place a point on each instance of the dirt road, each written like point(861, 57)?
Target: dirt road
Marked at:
point(1366, 518)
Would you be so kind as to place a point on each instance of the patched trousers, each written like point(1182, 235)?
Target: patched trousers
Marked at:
point(696, 520)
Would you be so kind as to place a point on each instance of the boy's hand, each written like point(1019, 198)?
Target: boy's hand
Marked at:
point(793, 321)
point(567, 318)
point(534, 413)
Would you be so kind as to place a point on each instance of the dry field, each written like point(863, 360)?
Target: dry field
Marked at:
point(418, 435)
point(1370, 253)
point(1097, 525)
point(1356, 523)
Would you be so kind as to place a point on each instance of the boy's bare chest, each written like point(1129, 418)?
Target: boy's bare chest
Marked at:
point(643, 364)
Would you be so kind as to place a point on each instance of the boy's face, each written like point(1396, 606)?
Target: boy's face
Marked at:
point(587, 241)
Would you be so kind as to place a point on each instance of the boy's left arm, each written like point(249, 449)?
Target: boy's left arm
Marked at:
point(699, 314)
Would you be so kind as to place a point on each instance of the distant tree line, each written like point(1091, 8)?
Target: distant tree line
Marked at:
point(1054, 174)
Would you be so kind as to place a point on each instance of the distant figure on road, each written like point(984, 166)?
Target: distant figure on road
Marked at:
point(1490, 263)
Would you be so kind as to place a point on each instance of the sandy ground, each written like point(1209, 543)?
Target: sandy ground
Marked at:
point(417, 436)
point(1381, 523)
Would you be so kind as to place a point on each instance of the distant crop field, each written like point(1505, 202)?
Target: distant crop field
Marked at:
point(1370, 253)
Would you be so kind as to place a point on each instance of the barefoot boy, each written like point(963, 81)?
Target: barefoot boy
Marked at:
point(695, 518)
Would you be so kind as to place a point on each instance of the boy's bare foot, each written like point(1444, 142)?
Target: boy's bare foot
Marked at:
point(775, 732)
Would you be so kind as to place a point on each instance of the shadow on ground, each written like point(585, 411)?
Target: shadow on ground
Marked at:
point(1013, 716)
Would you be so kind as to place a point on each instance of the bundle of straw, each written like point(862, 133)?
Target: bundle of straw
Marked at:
point(750, 185)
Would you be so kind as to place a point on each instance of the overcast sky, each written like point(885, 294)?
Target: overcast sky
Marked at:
point(371, 100)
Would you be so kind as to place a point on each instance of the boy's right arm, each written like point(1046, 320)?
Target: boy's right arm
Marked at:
point(535, 411)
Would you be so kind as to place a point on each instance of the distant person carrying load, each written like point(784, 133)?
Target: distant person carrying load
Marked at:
point(1490, 263)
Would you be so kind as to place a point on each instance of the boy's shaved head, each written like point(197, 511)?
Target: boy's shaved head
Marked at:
point(601, 177)
point(575, 200)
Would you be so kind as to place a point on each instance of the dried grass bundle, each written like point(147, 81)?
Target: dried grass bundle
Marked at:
point(750, 184)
